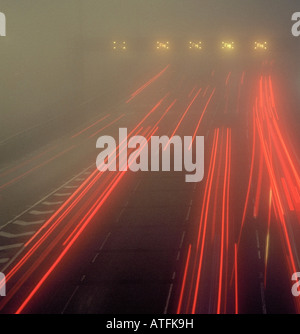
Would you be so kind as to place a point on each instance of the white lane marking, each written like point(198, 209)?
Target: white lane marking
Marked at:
point(168, 299)
point(43, 199)
point(259, 255)
point(257, 239)
point(178, 255)
point(188, 214)
point(80, 179)
point(62, 194)
point(10, 246)
point(137, 185)
point(52, 203)
point(182, 238)
point(263, 300)
point(11, 235)
point(71, 187)
point(23, 223)
point(69, 300)
point(104, 242)
point(82, 278)
point(33, 206)
point(36, 212)
point(95, 258)
point(173, 276)
point(4, 260)
point(120, 215)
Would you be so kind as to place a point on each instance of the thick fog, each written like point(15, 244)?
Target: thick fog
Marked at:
point(56, 54)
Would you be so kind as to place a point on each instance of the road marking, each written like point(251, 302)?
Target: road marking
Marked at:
point(120, 215)
point(69, 300)
point(257, 239)
point(80, 179)
point(95, 258)
point(33, 206)
point(70, 187)
point(137, 185)
point(104, 242)
point(168, 299)
point(4, 260)
point(262, 293)
point(36, 212)
point(10, 246)
point(258, 254)
point(188, 214)
point(22, 223)
point(62, 194)
point(11, 235)
point(82, 278)
point(44, 198)
point(181, 241)
point(53, 203)
point(178, 255)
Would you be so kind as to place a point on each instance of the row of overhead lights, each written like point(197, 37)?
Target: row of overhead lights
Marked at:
point(193, 45)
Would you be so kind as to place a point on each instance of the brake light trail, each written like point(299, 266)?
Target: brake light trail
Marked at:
point(58, 237)
point(183, 116)
point(242, 78)
point(184, 279)
point(107, 126)
point(192, 91)
point(190, 292)
point(228, 78)
point(84, 222)
point(3, 186)
point(258, 188)
point(90, 126)
point(201, 117)
point(138, 91)
point(284, 179)
point(203, 212)
point(203, 221)
point(271, 156)
point(81, 190)
point(225, 217)
point(185, 112)
point(63, 211)
point(269, 149)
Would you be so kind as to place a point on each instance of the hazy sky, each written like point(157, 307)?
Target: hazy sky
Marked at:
point(153, 17)
point(192, 16)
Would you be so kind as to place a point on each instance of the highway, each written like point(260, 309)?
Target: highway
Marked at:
point(77, 240)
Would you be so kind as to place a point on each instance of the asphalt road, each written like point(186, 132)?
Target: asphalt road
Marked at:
point(74, 240)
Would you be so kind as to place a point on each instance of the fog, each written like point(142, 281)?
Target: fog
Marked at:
point(56, 54)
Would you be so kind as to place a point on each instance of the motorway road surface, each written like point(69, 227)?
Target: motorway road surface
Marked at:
point(74, 240)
